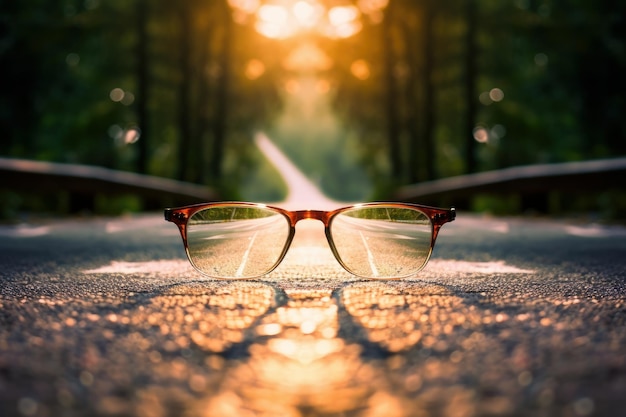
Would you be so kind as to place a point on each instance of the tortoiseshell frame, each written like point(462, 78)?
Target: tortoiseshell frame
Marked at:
point(180, 216)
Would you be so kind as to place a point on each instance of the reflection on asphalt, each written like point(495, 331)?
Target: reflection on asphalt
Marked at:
point(297, 365)
point(488, 333)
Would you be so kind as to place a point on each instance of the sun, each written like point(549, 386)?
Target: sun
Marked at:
point(282, 19)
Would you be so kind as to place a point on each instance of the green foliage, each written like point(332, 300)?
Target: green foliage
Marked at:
point(251, 177)
point(77, 74)
point(559, 66)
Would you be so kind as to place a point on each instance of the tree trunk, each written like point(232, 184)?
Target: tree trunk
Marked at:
point(470, 86)
point(428, 132)
point(143, 93)
point(221, 110)
point(413, 105)
point(204, 108)
point(393, 131)
point(184, 92)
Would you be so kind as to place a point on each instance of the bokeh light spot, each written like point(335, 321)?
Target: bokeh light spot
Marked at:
point(254, 69)
point(481, 134)
point(541, 59)
point(341, 15)
point(128, 99)
point(498, 131)
point(360, 69)
point(372, 6)
point(484, 98)
point(117, 94)
point(274, 14)
point(496, 94)
point(72, 59)
point(307, 14)
point(246, 6)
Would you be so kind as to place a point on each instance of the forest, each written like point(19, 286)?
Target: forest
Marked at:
point(364, 95)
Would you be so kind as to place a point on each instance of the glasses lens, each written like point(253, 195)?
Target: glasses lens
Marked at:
point(236, 241)
point(382, 241)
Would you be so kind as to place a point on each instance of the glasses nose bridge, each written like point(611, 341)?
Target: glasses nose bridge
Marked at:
point(320, 215)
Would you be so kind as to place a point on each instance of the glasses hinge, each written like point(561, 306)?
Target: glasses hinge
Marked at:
point(448, 216)
point(171, 216)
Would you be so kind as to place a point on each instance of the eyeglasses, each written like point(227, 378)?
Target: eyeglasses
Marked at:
point(235, 240)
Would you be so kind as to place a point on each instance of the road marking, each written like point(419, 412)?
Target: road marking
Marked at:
point(444, 266)
point(370, 256)
point(244, 260)
point(160, 267)
point(301, 191)
point(24, 231)
point(593, 231)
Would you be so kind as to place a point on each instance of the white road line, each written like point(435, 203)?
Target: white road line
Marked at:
point(302, 193)
point(370, 256)
point(244, 260)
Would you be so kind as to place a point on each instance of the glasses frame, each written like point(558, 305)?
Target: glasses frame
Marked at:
point(181, 215)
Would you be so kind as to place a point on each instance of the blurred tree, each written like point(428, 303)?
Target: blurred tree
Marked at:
point(142, 12)
point(435, 89)
point(392, 96)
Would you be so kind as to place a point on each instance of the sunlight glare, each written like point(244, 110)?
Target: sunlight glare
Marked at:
point(348, 29)
point(344, 22)
point(340, 15)
point(372, 6)
point(246, 6)
point(274, 14)
point(273, 21)
point(306, 13)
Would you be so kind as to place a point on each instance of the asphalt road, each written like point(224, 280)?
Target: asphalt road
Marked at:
point(512, 317)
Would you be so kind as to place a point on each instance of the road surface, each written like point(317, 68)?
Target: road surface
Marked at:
point(512, 317)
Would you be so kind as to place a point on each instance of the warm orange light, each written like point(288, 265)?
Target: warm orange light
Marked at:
point(343, 22)
point(373, 9)
point(275, 14)
point(280, 19)
point(246, 6)
point(341, 15)
point(292, 87)
point(481, 134)
point(308, 57)
point(322, 86)
point(307, 14)
point(254, 69)
point(273, 21)
point(360, 69)
point(372, 6)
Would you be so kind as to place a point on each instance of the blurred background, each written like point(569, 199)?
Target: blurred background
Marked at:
point(363, 95)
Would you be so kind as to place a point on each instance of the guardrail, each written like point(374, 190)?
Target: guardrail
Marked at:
point(51, 177)
point(580, 177)
point(532, 180)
